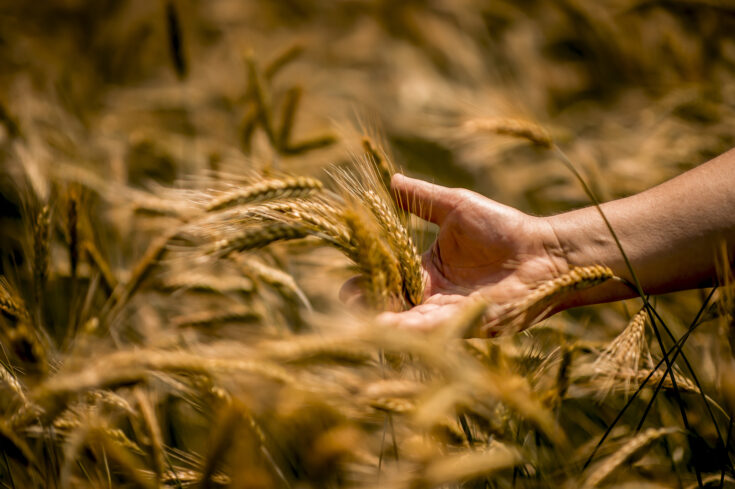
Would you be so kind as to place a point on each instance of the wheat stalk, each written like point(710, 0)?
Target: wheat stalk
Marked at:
point(95, 258)
point(156, 438)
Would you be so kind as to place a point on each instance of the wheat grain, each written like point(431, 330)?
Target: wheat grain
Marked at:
point(516, 128)
point(10, 302)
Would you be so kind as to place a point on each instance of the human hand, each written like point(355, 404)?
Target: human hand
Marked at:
point(483, 251)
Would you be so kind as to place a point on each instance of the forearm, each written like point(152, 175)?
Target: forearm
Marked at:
point(672, 233)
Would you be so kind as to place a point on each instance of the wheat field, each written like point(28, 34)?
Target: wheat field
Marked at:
point(186, 184)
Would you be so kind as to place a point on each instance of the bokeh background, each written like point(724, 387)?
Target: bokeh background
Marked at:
point(149, 95)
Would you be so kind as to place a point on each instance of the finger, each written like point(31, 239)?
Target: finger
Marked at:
point(428, 201)
point(426, 317)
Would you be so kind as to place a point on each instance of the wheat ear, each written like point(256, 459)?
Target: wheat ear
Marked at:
point(375, 260)
point(318, 218)
point(471, 464)
point(9, 379)
point(201, 282)
point(129, 367)
point(516, 128)
point(281, 188)
point(377, 156)
point(621, 358)
point(526, 310)
point(41, 249)
point(10, 303)
point(255, 237)
point(276, 278)
point(403, 246)
point(216, 317)
point(608, 466)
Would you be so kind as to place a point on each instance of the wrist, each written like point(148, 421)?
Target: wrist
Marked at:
point(583, 240)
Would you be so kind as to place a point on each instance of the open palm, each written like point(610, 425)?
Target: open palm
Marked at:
point(483, 250)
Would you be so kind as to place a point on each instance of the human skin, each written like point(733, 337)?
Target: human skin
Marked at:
point(672, 233)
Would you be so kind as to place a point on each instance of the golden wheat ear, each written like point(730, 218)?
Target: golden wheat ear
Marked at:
point(620, 361)
point(375, 259)
point(605, 468)
point(538, 302)
point(516, 128)
point(364, 186)
point(266, 190)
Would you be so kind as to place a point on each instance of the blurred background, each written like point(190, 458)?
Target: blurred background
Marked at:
point(148, 93)
point(634, 91)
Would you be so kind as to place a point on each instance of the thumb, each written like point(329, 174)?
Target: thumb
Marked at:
point(428, 201)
